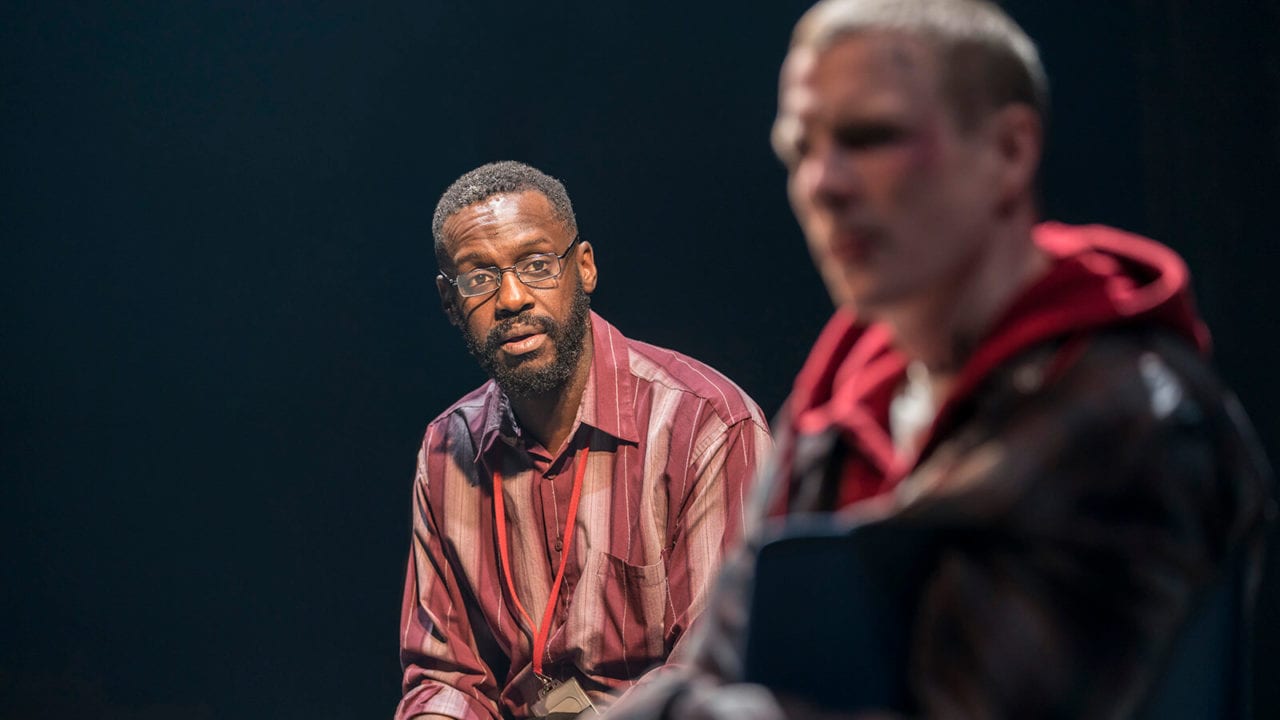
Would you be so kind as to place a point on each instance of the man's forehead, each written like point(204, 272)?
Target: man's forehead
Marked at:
point(525, 217)
point(853, 65)
point(524, 205)
point(501, 212)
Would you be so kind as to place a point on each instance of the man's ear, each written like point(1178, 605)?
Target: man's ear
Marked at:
point(449, 301)
point(587, 267)
point(1019, 142)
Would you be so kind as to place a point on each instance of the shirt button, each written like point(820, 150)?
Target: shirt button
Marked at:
point(559, 546)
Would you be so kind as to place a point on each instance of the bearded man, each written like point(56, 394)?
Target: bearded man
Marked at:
point(569, 514)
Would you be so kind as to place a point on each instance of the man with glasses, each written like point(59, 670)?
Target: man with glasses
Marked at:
point(570, 513)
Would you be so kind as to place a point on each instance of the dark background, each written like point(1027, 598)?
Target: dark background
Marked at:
point(221, 342)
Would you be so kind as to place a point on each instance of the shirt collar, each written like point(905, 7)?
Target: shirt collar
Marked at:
point(607, 401)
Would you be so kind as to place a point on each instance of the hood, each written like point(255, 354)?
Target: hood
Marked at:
point(1100, 277)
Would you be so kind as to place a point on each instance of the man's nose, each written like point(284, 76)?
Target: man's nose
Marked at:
point(835, 179)
point(513, 296)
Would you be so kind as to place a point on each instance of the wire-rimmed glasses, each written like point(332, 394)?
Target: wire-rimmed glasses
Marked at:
point(537, 271)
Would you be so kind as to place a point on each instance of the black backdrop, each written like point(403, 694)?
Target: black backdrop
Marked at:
point(221, 342)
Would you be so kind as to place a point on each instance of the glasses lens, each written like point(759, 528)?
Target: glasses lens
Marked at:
point(477, 282)
point(538, 268)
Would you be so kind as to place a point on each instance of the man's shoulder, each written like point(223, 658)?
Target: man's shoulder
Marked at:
point(1129, 413)
point(451, 439)
point(1124, 378)
point(670, 371)
point(466, 412)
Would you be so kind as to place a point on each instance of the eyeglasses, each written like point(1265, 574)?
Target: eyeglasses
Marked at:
point(536, 271)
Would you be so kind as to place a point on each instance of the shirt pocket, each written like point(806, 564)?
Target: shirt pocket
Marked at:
point(618, 616)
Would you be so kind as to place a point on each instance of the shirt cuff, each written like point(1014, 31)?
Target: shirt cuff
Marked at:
point(435, 698)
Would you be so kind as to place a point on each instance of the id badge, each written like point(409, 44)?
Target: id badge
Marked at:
point(563, 701)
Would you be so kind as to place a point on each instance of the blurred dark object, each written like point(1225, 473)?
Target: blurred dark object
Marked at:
point(832, 608)
point(831, 612)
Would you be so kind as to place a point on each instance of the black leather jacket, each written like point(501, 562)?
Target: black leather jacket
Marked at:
point(1084, 512)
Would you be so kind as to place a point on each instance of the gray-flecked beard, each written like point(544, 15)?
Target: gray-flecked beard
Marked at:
point(566, 338)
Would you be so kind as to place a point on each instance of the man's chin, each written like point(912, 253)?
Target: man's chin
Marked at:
point(529, 384)
point(528, 376)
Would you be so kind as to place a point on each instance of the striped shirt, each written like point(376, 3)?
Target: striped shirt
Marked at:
point(672, 447)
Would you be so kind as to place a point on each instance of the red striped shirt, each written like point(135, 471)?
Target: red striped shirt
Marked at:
point(673, 446)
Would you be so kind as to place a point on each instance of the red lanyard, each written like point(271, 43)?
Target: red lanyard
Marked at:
point(500, 512)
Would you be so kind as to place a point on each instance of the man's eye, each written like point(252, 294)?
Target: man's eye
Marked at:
point(861, 137)
point(477, 280)
point(536, 265)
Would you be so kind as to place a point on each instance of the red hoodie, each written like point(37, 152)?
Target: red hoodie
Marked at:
point(1100, 278)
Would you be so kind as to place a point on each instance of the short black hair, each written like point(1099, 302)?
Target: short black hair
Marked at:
point(496, 178)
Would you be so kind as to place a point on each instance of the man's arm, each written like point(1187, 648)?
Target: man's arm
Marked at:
point(444, 673)
point(702, 680)
point(707, 531)
point(1080, 537)
point(710, 522)
point(1084, 535)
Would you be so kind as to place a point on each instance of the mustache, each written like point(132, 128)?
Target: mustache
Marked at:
point(493, 338)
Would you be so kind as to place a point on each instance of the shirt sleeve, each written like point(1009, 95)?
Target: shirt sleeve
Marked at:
point(702, 680)
point(708, 531)
point(444, 672)
point(710, 522)
point(1078, 537)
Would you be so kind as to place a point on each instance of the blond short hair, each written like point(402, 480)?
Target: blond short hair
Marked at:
point(987, 59)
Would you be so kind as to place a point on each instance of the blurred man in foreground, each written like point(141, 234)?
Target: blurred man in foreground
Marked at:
point(1036, 393)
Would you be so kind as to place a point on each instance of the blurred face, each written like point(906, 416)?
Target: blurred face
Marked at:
point(894, 200)
point(530, 340)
